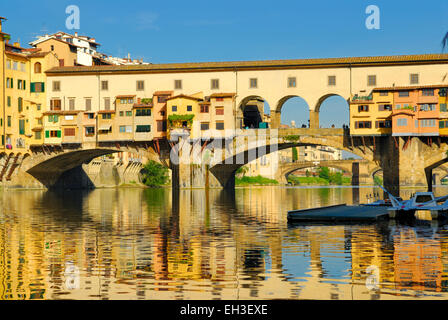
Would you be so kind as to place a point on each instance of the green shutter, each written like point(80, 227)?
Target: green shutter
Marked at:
point(443, 107)
point(33, 87)
point(43, 86)
point(47, 134)
point(59, 133)
point(24, 84)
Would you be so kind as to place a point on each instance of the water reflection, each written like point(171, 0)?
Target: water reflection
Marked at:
point(156, 244)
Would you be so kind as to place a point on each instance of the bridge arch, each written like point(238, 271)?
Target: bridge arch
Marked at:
point(339, 114)
point(251, 111)
point(291, 101)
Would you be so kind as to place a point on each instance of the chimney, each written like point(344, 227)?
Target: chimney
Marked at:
point(76, 34)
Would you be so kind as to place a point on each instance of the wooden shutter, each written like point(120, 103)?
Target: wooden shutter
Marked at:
point(47, 134)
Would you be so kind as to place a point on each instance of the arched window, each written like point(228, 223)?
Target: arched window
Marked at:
point(37, 67)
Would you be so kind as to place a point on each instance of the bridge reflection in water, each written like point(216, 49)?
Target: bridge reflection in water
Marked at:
point(193, 244)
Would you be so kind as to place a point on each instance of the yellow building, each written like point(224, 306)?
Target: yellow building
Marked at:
point(371, 115)
point(443, 102)
point(24, 95)
point(182, 114)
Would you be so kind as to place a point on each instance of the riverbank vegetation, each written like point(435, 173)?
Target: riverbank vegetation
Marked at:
point(258, 180)
point(324, 177)
point(154, 174)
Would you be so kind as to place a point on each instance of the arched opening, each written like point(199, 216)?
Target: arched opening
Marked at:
point(294, 112)
point(336, 111)
point(316, 175)
point(377, 177)
point(254, 113)
point(37, 67)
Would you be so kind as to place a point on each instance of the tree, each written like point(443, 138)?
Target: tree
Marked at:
point(154, 174)
point(445, 41)
point(295, 155)
point(324, 173)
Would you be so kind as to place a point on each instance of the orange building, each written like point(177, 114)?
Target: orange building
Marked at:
point(416, 110)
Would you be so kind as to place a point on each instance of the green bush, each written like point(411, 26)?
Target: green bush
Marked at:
point(254, 180)
point(154, 174)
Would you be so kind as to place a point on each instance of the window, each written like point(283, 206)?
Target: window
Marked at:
point(143, 113)
point(403, 93)
point(22, 67)
point(363, 108)
point(15, 65)
point(428, 92)
point(69, 117)
point(215, 84)
point(69, 132)
point(204, 108)
point(20, 84)
point(177, 84)
point(189, 108)
point(331, 80)
point(38, 135)
point(143, 128)
point(161, 99)
point(8, 64)
point(125, 129)
point(9, 121)
point(90, 115)
point(428, 123)
point(253, 83)
point(106, 103)
point(38, 107)
point(106, 116)
point(88, 104)
point(61, 62)
point(428, 107)
point(371, 80)
point(219, 111)
point(161, 126)
point(443, 107)
point(71, 103)
point(53, 134)
point(292, 83)
point(384, 93)
point(128, 113)
point(9, 83)
point(402, 122)
point(37, 87)
point(56, 86)
point(130, 101)
point(20, 104)
point(52, 48)
point(140, 85)
point(37, 67)
point(21, 126)
point(383, 124)
point(8, 101)
point(414, 78)
point(174, 108)
point(363, 124)
point(53, 118)
point(205, 126)
point(385, 107)
point(104, 85)
point(90, 131)
point(443, 92)
point(121, 113)
point(219, 125)
point(443, 124)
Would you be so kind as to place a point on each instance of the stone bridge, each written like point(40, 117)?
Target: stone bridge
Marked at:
point(362, 171)
point(213, 162)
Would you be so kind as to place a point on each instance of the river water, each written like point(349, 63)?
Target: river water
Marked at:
point(136, 243)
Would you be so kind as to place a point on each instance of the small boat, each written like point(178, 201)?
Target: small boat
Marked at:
point(420, 201)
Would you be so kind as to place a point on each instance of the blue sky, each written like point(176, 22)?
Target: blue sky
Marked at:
point(198, 30)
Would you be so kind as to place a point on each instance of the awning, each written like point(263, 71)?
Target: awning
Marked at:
point(104, 128)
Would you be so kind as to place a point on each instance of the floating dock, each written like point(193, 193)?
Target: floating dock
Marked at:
point(339, 213)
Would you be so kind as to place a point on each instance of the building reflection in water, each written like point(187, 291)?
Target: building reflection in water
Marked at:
point(159, 244)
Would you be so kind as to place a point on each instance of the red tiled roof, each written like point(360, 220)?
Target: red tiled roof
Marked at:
point(267, 64)
point(163, 93)
point(185, 97)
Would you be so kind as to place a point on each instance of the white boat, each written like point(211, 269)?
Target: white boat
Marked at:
point(419, 201)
